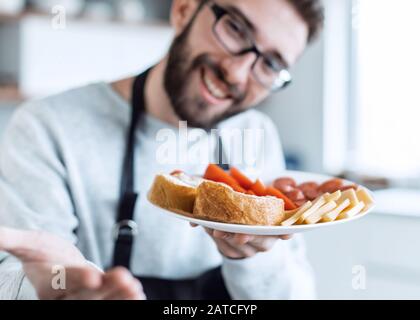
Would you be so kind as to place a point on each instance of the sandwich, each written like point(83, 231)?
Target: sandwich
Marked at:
point(175, 192)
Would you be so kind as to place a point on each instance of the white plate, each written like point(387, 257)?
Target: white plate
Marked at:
point(274, 230)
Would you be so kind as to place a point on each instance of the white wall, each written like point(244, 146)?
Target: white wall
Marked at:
point(298, 111)
point(312, 115)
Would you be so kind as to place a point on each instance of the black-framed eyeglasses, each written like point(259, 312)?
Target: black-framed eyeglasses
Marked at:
point(234, 36)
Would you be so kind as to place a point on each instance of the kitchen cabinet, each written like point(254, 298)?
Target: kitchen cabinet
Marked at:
point(45, 60)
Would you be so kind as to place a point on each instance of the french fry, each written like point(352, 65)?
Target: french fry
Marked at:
point(333, 214)
point(316, 216)
point(294, 218)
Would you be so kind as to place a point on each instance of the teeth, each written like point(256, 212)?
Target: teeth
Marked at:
point(214, 90)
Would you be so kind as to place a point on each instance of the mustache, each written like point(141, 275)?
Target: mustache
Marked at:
point(204, 60)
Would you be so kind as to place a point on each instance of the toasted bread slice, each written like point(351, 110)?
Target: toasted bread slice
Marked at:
point(219, 202)
point(174, 192)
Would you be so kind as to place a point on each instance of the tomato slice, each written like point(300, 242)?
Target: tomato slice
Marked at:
point(288, 204)
point(217, 174)
point(259, 188)
point(242, 179)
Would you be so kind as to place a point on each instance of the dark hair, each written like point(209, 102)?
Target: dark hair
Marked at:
point(312, 11)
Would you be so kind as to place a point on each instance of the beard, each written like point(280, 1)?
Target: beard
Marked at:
point(179, 73)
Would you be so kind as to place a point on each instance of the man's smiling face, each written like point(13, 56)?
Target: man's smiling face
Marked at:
point(205, 82)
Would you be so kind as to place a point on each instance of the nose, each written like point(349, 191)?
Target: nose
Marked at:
point(238, 68)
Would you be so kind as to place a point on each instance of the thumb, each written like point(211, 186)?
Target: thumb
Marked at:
point(19, 243)
point(11, 239)
point(286, 237)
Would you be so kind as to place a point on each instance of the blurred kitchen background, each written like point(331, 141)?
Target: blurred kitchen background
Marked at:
point(353, 111)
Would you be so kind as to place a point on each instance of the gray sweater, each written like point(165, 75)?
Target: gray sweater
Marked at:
point(60, 168)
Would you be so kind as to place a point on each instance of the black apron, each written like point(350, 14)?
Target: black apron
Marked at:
point(210, 285)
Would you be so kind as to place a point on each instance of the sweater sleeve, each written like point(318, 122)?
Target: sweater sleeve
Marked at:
point(33, 192)
point(283, 273)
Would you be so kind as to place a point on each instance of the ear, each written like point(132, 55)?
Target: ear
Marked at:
point(182, 12)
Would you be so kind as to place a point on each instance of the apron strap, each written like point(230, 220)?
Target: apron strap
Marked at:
point(210, 285)
point(126, 228)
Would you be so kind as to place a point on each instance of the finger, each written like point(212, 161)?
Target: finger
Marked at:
point(263, 244)
point(244, 251)
point(194, 225)
point(235, 251)
point(286, 237)
point(121, 285)
point(84, 294)
point(233, 245)
point(33, 246)
point(13, 240)
point(135, 294)
point(209, 231)
point(240, 239)
point(86, 278)
point(81, 284)
point(227, 250)
point(117, 296)
point(117, 284)
point(247, 251)
point(39, 247)
point(222, 235)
